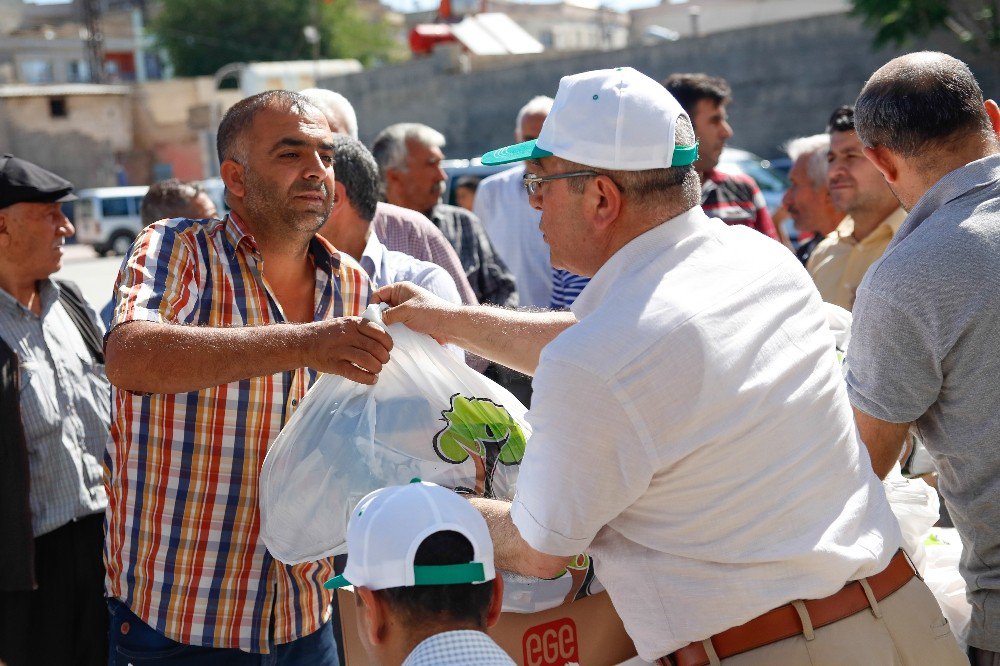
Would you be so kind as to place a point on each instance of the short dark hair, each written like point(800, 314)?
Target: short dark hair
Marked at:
point(354, 166)
point(422, 605)
point(239, 118)
point(921, 100)
point(168, 198)
point(689, 89)
point(841, 120)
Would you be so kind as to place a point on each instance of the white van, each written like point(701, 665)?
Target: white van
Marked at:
point(108, 217)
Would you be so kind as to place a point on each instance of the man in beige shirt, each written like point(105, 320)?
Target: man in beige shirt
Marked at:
point(873, 215)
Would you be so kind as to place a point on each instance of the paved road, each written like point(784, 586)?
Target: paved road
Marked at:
point(95, 275)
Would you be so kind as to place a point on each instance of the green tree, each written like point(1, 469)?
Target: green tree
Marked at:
point(975, 22)
point(203, 35)
point(484, 430)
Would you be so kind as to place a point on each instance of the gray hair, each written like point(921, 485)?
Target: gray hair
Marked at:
point(920, 102)
point(536, 106)
point(389, 147)
point(814, 149)
point(666, 187)
point(335, 105)
point(355, 167)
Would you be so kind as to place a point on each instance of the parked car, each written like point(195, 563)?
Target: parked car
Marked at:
point(108, 217)
point(772, 183)
point(458, 168)
point(216, 191)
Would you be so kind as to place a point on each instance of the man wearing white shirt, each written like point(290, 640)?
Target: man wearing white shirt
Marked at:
point(673, 363)
point(510, 220)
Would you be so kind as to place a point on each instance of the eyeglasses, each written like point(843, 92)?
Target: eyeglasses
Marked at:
point(531, 182)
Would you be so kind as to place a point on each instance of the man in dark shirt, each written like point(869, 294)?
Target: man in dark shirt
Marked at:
point(409, 158)
point(733, 198)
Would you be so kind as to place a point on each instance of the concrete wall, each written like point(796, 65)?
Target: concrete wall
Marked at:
point(84, 147)
point(786, 80)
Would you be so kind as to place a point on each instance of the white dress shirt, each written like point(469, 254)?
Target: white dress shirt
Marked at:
point(693, 434)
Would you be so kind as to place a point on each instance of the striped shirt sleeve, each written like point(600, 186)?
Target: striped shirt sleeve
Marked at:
point(158, 282)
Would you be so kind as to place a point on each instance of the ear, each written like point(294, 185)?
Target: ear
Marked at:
point(884, 161)
point(232, 175)
point(496, 603)
point(4, 227)
point(372, 618)
point(339, 198)
point(603, 200)
point(994, 113)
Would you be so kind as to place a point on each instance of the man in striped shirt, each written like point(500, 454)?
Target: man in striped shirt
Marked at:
point(219, 329)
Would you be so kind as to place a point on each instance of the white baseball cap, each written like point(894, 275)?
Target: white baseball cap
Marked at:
point(617, 119)
point(387, 527)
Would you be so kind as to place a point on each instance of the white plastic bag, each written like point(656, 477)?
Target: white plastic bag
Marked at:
point(943, 550)
point(428, 417)
point(916, 506)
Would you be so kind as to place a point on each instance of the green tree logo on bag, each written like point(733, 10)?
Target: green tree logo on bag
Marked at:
point(484, 430)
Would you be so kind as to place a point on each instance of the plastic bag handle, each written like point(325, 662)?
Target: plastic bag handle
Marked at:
point(374, 312)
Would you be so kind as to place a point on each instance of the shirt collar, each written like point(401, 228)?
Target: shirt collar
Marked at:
point(886, 229)
point(371, 258)
point(640, 251)
point(972, 176)
point(48, 293)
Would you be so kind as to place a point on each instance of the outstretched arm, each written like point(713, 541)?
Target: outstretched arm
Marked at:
point(150, 357)
point(510, 337)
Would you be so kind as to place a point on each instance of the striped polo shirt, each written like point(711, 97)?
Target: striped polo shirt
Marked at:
point(183, 549)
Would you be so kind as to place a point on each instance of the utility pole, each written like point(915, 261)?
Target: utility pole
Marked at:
point(94, 39)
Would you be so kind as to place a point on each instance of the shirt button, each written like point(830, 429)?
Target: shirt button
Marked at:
point(295, 402)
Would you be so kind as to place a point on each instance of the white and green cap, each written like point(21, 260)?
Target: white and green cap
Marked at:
point(617, 119)
point(387, 527)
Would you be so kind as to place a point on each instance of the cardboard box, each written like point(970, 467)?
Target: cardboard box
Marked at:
point(587, 632)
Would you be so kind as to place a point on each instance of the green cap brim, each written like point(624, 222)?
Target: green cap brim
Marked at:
point(336, 582)
point(443, 574)
point(516, 153)
point(529, 150)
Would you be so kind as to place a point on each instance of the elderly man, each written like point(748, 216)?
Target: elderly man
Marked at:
point(512, 223)
point(53, 426)
point(873, 214)
point(792, 559)
point(807, 198)
point(925, 331)
point(409, 158)
point(220, 328)
point(733, 198)
point(400, 229)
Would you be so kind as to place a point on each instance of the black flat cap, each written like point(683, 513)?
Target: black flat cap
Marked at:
point(24, 182)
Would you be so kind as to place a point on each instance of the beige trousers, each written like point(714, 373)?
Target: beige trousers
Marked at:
point(910, 631)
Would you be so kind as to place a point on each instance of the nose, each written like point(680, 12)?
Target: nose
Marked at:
point(786, 199)
point(535, 200)
point(442, 175)
point(66, 228)
point(727, 129)
point(317, 169)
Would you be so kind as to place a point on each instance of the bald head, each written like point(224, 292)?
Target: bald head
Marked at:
point(919, 103)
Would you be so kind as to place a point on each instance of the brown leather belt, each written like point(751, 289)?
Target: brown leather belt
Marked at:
point(783, 622)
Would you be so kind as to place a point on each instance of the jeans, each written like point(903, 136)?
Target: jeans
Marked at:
point(134, 643)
